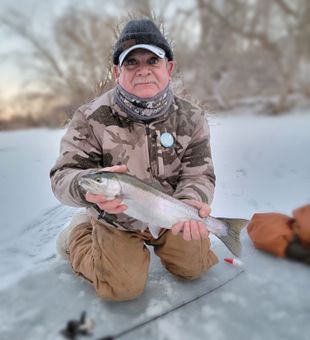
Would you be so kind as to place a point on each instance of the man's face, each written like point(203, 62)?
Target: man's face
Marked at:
point(143, 73)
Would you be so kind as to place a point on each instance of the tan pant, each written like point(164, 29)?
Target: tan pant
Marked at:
point(116, 262)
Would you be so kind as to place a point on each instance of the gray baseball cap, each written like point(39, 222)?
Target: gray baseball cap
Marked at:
point(152, 48)
point(141, 31)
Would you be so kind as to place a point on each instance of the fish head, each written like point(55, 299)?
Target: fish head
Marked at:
point(101, 183)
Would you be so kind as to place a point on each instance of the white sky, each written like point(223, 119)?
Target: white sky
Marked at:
point(38, 12)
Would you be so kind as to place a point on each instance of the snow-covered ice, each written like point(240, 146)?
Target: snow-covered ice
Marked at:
point(262, 164)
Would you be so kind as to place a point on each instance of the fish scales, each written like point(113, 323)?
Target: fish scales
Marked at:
point(164, 211)
point(157, 209)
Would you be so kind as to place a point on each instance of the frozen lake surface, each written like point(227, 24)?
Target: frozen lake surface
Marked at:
point(262, 165)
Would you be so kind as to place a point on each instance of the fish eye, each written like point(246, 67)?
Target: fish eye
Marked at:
point(98, 179)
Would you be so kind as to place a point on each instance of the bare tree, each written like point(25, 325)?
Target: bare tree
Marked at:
point(139, 7)
point(225, 50)
point(74, 60)
point(241, 41)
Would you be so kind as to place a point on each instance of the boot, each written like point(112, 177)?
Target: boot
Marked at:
point(62, 242)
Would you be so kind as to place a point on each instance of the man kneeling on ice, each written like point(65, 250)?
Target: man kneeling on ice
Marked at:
point(142, 128)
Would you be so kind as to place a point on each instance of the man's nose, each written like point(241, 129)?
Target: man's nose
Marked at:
point(143, 71)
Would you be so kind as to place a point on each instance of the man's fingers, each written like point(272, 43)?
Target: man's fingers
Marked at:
point(117, 168)
point(204, 233)
point(192, 230)
point(187, 231)
point(195, 232)
point(110, 204)
point(204, 211)
point(177, 228)
point(113, 206)
point(118, 210)
point(93, 198)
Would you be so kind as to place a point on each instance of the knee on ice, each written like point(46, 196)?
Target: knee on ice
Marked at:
point(121, 292)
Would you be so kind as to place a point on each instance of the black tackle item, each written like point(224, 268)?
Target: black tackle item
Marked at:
point(297, 251)
point(74, 328)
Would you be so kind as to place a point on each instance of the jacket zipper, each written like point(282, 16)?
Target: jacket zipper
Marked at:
point(160, 163)
point(149, 150)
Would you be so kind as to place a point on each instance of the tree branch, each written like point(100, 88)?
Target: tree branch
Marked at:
point(286, 8)
point(29, 37)
point(259, 36)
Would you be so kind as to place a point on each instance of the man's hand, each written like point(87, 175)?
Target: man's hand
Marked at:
point(193, 229)
point(113, 206)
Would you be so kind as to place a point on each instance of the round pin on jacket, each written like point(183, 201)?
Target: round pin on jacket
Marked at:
point(166, 140)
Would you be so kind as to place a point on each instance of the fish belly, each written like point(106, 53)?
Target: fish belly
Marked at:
point(157, 212)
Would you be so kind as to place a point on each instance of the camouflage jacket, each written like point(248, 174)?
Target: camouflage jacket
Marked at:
point(101, 135)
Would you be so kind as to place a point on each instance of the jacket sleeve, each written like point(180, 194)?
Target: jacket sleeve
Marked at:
point(197, 178)
point(80, 153)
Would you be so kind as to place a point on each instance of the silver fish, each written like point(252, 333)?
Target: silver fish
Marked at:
point(157, 209)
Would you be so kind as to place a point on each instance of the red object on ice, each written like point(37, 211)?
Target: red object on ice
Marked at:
point(229, 260)
point(234, 262)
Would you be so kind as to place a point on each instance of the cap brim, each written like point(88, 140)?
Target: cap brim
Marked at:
point(152, 48)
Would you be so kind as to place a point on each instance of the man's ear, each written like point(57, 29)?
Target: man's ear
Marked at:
point(170, 67)
point(116, 72)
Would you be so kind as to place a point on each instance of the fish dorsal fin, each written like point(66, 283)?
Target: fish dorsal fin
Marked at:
point(154, 230)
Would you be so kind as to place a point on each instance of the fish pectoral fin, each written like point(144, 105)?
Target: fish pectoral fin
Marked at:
point(154, 230)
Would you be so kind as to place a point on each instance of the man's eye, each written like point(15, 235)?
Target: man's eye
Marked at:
point(154, 61)
point(130, 62)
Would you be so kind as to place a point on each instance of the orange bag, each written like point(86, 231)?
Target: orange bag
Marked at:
point(271, 232)
point(301, 225)
point(282, 235)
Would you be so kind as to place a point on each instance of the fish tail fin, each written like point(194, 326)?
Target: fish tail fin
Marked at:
point(232, 239)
